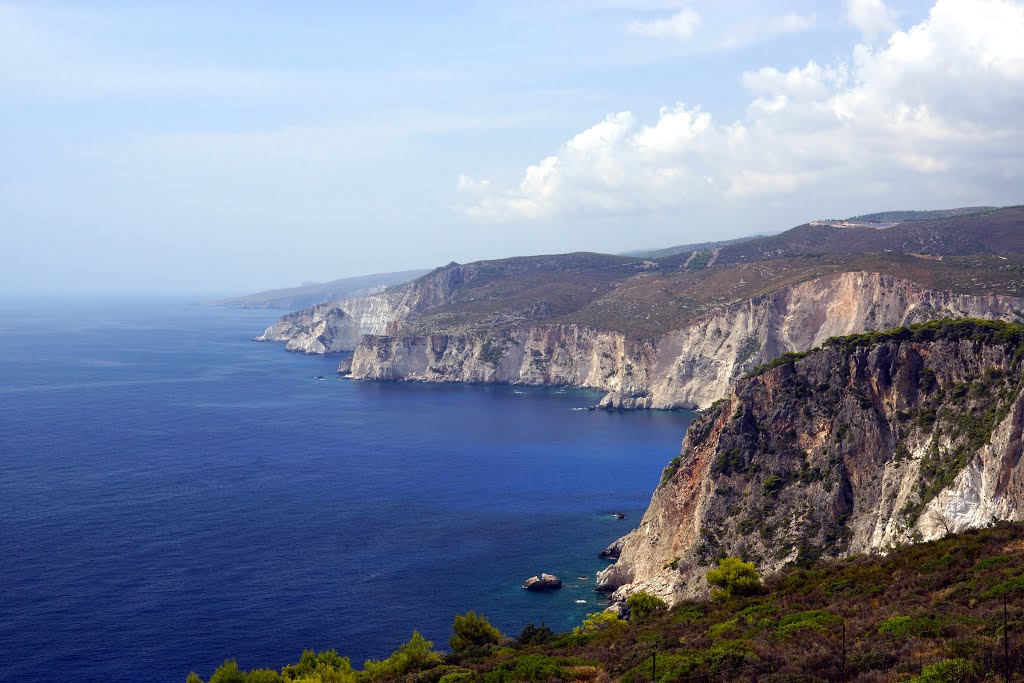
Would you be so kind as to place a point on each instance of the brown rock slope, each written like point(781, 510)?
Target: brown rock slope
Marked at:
point(871, 441)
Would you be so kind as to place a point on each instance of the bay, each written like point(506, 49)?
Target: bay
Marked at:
point(173, 494)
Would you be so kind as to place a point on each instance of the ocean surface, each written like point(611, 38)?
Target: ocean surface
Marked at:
point(173, 494)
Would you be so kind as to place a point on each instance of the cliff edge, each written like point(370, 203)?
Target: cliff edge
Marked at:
point(866, 443)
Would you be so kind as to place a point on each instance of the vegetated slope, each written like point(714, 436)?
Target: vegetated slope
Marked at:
point(292, 298)
point(903, 216)
point(990, 232)
point(686, 248)
point(871, 441)
point(925, 613)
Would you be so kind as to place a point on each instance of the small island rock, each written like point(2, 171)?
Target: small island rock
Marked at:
point(545, 582)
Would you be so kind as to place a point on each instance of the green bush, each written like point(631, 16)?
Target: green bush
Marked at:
point(535, 635)
point(734, 577)
point(598, 622)
point(456, 677)
point(947, 671)
point(527, 668)
point(416, 655)
point(642, 605)
point(471, 630)
point(906, 627)
point(812, 620)
point(228, 673)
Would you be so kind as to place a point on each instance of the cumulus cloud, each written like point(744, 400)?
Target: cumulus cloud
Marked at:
point(871, 17)
point(682, 25)
point(938, 104)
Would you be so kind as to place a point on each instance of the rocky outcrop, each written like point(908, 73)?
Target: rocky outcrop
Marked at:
point(544, 582)
point(869, 442)
point(340, 325)
point(685, 368)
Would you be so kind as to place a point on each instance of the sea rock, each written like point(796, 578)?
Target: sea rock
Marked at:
point(544, 582)
point(612, 552)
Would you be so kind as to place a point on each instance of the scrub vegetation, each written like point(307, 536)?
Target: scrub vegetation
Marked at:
point(927, 613)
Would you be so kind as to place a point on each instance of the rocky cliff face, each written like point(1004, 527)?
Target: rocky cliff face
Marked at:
point(869, 442)
point(339, 326)
point(688, 367)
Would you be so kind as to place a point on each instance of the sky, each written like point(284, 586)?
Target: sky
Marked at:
point(229, 147)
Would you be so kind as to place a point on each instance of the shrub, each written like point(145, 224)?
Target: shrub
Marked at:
point(416, 655)
point(813, 620)
point(905, 627)
point(598, 622)
point(472, 630)
point(535, 635)
point(527, 668)
point(947, 671)
point(642, 605)
point(228, 673)
point(734, 577)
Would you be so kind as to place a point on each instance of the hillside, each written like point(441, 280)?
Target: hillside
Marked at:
point(686, 248)
point(995, 232)
point(927, 613)
point(673, 332)
point(644, 298)
point(983, 254)
point(866, 443)
point(904, 216)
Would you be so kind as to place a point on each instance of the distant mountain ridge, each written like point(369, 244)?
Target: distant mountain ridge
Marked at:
point(291, 298)
point(909, 216)
point(687, 248)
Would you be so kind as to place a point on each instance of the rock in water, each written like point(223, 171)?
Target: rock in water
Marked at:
point(545, 582)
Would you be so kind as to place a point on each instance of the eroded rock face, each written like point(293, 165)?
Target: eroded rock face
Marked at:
point(340, 325)
point(850, 449)
point(686, 368)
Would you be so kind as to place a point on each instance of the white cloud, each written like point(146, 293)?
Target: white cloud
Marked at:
point(722, 28)
point(871, 17)
point(680, 25)
point(472, 185)
point(792, 23)
point(937, 108)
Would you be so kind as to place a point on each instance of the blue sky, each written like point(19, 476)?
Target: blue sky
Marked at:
point(234, 146)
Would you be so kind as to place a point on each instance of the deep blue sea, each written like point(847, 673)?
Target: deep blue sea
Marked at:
point(173, 494)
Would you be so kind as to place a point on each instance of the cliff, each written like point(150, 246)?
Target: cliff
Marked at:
point(869, 442)
point(687, 367)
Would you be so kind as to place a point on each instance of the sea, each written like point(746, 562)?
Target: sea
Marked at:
point(173, 494)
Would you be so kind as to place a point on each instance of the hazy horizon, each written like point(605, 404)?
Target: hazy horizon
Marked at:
point(221, 149)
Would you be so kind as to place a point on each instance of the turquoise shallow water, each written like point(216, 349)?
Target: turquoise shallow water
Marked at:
point(172, 494)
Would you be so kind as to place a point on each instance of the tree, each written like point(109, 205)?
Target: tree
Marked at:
point(535, 635)
point(324, 667)
point(734, 577)
point(598, 622)
point(228, 673)
point(642, 605)
point(470, 630)
point(416, 655)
